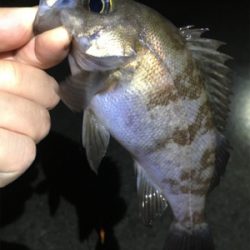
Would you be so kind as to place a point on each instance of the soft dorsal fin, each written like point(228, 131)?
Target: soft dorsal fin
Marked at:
point(222, 156)
point(152, 203)
point(217, 74)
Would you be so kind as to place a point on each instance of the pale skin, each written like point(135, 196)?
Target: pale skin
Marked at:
point(27, 92)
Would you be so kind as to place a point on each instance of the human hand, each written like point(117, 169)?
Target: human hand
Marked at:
point(26, 91)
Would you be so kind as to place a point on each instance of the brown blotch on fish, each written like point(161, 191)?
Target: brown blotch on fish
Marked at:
point(209, 123)
point(208, 158)
point(196, 218)
point(181, 137)
point(198, 189)
point(185, 189)
point(200, 183)
point(173, 184)
point(189, 83)
point(186, 136)
point(201, 190)
point(185, 175)
point(205, 109)
point(158, 145)
point(162, 96)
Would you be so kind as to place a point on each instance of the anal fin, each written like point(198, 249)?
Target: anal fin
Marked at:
point(95, 139)
point(152, 203)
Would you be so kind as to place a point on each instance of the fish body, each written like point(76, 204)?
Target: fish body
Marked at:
point(159, 91)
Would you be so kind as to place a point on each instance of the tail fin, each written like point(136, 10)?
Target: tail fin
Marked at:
point(180, 239)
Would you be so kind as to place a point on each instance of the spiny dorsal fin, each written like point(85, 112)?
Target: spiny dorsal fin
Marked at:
point(217, 74)
point(152, 203)
point(217, 83)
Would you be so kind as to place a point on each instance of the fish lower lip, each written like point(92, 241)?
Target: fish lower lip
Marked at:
point(84, 42)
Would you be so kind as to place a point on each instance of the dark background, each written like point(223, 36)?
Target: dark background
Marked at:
point(60, 204)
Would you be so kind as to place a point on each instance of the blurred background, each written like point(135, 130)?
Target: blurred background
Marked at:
point(59, 204)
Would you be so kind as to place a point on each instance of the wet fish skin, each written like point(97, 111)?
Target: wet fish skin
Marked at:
point(150, 94)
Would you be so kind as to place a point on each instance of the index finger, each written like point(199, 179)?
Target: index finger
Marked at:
point(15, 27)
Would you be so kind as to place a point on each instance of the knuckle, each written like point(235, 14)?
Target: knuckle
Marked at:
point(17, 152)
point(9, 73)
point(26, 158)
point(29, 155)
point(53, 97)
point(45, 124)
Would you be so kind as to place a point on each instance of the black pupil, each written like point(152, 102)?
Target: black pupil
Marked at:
point(95, 5)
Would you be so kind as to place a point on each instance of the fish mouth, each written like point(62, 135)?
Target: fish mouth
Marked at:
point(85, 41)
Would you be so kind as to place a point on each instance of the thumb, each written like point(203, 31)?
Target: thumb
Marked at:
point(46, 49)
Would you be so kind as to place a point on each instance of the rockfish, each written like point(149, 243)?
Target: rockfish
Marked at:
point(161, 92)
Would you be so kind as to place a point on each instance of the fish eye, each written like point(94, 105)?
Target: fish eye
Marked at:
point(100, 6)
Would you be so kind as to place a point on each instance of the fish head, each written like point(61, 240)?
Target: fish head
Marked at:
point(100, 28)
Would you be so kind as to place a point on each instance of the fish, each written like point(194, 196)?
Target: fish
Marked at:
point(162, 92)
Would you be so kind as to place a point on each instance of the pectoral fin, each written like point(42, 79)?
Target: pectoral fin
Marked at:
point(151, 200)
point(78, 90)
point(95, 139)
